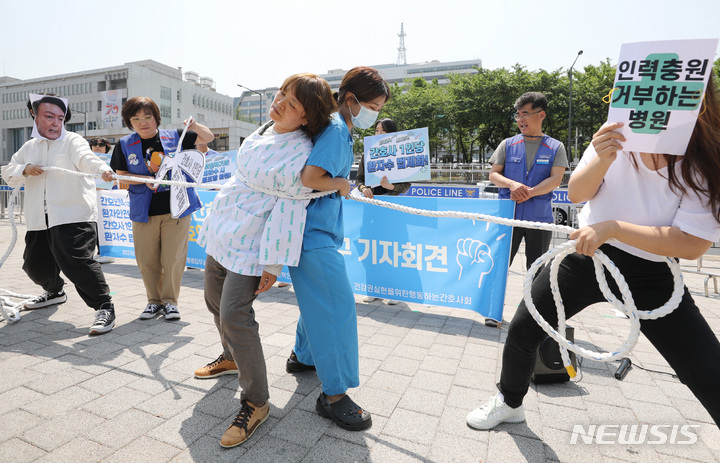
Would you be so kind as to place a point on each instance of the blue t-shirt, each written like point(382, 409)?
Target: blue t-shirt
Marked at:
point(332, 152)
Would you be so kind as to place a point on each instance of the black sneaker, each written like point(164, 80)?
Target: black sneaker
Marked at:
point(151, 311)
point(171, 312)
point(104, 321)
point(47, 299)
point(293, 365)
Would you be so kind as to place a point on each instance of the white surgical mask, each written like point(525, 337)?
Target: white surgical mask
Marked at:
point(365, 118)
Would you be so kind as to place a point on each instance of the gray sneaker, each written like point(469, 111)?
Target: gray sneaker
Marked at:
point(171, 311)
point(151, 311)
point(104, 321)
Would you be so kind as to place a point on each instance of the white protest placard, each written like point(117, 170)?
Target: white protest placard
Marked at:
point(190, 162)
point(658, 91)
point(399, 156)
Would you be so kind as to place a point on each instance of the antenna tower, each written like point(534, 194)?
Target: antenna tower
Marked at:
point(401, 59)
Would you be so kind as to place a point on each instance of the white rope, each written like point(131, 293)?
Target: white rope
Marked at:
point(627, 307)
point(10, 310)
point(559, 252)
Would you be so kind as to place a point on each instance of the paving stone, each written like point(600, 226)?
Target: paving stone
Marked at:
point(17, 451)
point(51, 434)
point(301, 428)
point(143, 450)
point(423, 429)
point(131, 395)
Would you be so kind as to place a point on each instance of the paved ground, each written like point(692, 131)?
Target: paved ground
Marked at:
point(130, 395)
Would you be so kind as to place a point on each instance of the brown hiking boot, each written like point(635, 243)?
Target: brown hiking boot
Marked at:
point(245, 423)
point(218, 367)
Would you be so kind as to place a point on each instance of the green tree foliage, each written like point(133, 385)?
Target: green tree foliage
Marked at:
point(472, 114)
point(469, 117)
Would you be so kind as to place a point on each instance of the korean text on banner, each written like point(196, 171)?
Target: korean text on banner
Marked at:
point(658, 91)
point(437, 261)
point(401, 156)
point(219, 167)
point(114, 224)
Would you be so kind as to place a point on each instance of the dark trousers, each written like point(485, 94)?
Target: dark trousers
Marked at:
point(683, 338)
point(69, 248)
point(537, 243)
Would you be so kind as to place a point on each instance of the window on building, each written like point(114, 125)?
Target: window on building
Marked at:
point(118, 84)
point(101, 86)
point(165, 111)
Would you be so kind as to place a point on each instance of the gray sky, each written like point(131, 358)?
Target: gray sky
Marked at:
point(259, 43)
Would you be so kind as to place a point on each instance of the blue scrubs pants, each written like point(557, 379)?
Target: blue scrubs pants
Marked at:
point(327, 329)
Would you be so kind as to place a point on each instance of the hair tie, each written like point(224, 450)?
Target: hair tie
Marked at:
point(607, 97)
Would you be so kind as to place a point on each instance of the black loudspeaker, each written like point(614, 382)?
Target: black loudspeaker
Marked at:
point(548, 363)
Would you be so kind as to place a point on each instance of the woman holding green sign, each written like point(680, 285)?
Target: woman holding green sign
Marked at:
point(653, 205)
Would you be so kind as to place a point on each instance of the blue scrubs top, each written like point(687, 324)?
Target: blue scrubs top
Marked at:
point(332, 152)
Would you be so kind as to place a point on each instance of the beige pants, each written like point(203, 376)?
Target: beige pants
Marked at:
point(161, 247)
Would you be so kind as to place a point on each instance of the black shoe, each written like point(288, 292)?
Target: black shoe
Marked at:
point(293, 365)
point(104, 321)
point(345, 413)
point(47, 299)
point(170, 311)
point(151, 311)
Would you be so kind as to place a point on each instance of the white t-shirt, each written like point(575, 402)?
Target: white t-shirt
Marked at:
point(643, 197)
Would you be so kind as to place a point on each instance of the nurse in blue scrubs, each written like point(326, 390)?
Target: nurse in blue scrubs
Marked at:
point(326, 338)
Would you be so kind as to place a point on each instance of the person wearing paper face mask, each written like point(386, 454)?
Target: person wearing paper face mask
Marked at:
point(326, 337)
point(61, 211)
point(652, 205)
point(160, 241)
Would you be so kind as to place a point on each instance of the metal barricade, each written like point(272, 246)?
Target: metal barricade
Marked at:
point(19, 207)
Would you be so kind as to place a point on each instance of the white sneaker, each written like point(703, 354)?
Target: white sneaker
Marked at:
point(369, 299)
point(103, 259)
point(392, 302)
point(494, 412)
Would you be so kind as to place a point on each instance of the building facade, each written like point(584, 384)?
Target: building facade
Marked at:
point(96, 98)
point(254, 105)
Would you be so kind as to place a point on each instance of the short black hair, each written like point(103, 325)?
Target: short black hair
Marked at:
point(388, 125)
point(537, 100)
point(101, 142)
point(51, 98)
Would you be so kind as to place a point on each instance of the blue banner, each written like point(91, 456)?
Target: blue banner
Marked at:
point(436, 261)
point(115, 226)
point(390, 254)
